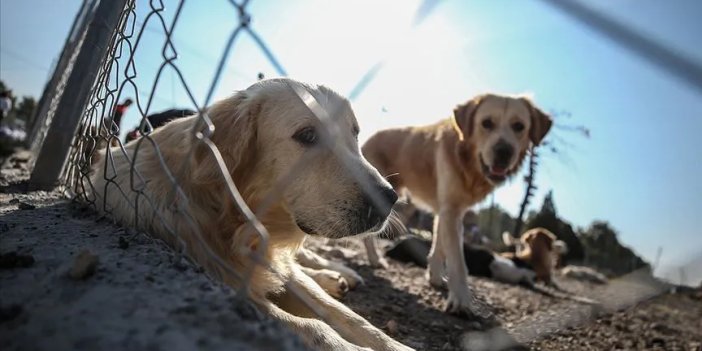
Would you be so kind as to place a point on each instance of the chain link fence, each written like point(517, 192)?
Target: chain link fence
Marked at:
point(69, 148)
point(96, 70)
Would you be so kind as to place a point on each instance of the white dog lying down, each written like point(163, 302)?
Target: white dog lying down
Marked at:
point(584, 273)
point(261, 133)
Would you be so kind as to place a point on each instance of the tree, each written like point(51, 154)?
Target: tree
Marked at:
point(528, 193)
point(25, 109)
point(493, 221)
point(605, 252)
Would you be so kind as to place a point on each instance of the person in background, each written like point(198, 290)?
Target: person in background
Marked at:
point(5, 104)
point(120, 109)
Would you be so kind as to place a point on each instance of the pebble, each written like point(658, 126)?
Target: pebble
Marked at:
point(391, 327)
point(84, 265)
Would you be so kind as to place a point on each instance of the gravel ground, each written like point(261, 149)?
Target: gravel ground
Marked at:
point(400, 300)
point(123, 293)
point(71, 282)
point(669, 322)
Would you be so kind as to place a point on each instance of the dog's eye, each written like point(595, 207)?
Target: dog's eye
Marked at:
point(518, 126)
point(306, 136)
point(488, 124)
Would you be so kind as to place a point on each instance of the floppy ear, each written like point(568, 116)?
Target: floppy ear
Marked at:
point(235, 120)
point(463, 116)
point(540, 123)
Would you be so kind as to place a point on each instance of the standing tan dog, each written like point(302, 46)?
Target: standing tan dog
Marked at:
point(450, 166)
point(261, 134)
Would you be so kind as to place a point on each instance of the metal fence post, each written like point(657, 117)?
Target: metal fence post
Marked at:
point(42, 114)
point(56, 146)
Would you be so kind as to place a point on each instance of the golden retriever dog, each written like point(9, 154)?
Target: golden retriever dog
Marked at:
point(261, 134)
point(453, 164)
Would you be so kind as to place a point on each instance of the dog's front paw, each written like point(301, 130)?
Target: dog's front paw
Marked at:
point(352, 278)
point(332, 282)
point(437, 280)
point(459, 304)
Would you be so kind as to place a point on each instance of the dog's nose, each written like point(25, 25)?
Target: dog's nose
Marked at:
point(388, 197)
point(503, 154)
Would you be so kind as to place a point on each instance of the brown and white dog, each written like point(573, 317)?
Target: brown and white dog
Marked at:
point(539, 248)
point(453, 164)
point(261, 134)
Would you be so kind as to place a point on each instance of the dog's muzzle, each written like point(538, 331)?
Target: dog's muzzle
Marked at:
point(376, 212)
point(502, 157)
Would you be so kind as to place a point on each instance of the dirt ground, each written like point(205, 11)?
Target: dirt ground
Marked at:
point(129, 293)
point(654, 318)
point(136, 297)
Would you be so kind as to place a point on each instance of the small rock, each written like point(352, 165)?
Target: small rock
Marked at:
point(25, 206)
point(14, 201)
point(391, 327)
point(13, 260)
point(123, 243)
point(659, 342)
point(84, 265)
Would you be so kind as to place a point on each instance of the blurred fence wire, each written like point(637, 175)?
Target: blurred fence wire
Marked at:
point(97, 76)
point(96, 68)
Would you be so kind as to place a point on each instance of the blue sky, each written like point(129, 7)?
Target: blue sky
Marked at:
point(640, 170)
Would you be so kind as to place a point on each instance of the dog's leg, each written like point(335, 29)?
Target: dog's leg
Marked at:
point(310, 259)
point(345, 322)
point(374, 258)
point(331, 281)
point(313, 332)
point(437, 259)
point(450, 235)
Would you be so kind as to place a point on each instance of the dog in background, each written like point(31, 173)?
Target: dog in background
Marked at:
point(260, 133)
point(539, 248)
point(480, 261)
point(453, 164)
point(157, 120)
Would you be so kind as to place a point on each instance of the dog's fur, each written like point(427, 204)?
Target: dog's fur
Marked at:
point(481, 261)
point(451, 165)
point(539, 248)
point(258, 134)
point(583, 273)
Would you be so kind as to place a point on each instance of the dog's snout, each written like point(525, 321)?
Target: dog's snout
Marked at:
point(503, 153)
point(381, 204)
point(389, 196)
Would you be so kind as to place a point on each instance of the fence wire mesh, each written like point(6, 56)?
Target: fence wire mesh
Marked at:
point(100, 132)
point(99, 138)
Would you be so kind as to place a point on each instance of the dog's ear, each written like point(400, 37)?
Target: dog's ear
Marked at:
point(528, 237)
point(235, 120)
point(540, 122)
point(463, 117)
